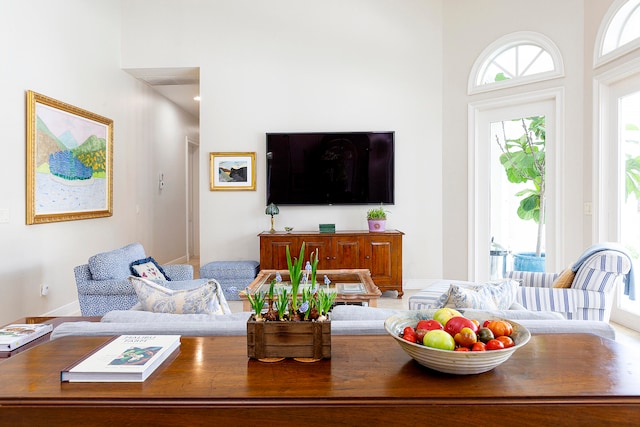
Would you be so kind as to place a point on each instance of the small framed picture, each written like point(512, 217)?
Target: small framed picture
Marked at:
point(232, 171)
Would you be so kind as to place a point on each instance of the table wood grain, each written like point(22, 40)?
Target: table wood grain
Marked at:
point(575, 379)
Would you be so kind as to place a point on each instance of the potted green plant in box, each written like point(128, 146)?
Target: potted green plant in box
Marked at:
point(377, 218)
point(292, 323)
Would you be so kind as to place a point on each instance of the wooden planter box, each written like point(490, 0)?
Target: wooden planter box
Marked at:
point(289, 339)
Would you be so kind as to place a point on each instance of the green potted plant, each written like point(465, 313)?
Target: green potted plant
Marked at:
point(377, 218)
point(523, 159)
point(296, 322)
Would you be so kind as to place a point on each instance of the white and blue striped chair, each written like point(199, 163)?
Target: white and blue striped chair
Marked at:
point(591, 294)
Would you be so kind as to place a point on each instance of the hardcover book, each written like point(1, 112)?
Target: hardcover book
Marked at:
point(17, 335)
point(125, 358)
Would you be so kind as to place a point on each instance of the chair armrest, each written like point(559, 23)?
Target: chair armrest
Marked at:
point(574, 304)
point(534, 279)
point(179, 271)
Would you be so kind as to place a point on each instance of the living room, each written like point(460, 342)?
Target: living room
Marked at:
point(268, 67)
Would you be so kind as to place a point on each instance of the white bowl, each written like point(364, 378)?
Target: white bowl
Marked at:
point(453, 362)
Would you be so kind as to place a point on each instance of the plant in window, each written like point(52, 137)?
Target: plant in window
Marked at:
point(632, 177)
point(523, 159)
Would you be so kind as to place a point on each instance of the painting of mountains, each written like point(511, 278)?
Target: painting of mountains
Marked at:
point(70, 150)
point(62, 157)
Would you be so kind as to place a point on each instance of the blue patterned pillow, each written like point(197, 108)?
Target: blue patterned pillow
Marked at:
point(115, 264)
point(148, 268)
point(156, 298)
point(499, 296)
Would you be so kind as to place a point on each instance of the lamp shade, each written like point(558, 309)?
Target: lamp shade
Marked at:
point(272, 209)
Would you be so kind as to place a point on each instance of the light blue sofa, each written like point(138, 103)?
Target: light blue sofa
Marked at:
point(102, 282)
point(345, 320)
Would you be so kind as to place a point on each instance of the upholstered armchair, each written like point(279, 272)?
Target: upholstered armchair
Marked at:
point(584, 294)
point(103, 285)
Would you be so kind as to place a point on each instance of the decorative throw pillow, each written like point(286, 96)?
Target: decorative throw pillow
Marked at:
point(115, 264)
point(156, 298)
point(148, 268)
point(499, 296)
point(565, 279)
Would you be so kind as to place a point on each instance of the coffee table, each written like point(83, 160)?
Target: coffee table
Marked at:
point(353, 286)
point(54, 320)
point(575, 379)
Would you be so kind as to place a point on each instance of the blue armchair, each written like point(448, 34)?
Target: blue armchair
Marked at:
point(103, 285)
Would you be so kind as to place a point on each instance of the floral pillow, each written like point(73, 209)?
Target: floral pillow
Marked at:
point(148, 268)
point(499, 296)
point(205, 299)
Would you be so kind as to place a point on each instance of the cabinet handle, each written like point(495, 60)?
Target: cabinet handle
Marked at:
point(367, 257)
point(328, 258)
point(334, 257)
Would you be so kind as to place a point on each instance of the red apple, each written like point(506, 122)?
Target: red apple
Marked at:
point(429, 325)
point(456, 323)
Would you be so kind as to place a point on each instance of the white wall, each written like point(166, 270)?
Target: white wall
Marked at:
point(290, 65)
point(70, 50)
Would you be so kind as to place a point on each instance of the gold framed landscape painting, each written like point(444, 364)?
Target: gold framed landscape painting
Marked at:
point(232, 171)
point(69, 162)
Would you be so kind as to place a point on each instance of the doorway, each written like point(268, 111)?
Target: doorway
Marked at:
point(192, 200)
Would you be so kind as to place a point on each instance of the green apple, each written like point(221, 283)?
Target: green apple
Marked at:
point(438, 338)
point(443, 315)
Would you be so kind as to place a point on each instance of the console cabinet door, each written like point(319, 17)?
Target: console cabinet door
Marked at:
point(273, 251)
point(322, 244)
point(381, 257)
point(346, 252)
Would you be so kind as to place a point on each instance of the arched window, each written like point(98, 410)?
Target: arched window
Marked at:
point(516, 59)
point(620, 32)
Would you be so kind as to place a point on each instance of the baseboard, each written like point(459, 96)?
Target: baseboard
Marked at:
point(181, 260)
point(71, 309)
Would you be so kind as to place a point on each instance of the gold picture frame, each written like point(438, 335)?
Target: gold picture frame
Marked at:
point(232, 171)
point(69, 162)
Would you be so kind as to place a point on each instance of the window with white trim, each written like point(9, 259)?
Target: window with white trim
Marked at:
point(515, 59)
point(621, 32)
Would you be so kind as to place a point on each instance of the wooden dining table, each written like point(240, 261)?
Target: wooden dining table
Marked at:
point(556, 379)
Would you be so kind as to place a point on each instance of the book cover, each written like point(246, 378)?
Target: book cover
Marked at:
point(125, 358)
point(18, 334)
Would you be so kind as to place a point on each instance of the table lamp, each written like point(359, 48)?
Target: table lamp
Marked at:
point(272, 210)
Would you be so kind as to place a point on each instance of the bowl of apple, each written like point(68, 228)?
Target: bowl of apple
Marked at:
point(456, 341)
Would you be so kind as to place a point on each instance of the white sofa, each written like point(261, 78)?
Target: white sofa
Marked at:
point(345, 320)
point(589, 296)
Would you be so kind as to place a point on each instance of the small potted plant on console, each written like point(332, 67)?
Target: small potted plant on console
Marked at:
point(377, 218)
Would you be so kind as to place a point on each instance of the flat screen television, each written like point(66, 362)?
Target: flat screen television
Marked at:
point(321, 168)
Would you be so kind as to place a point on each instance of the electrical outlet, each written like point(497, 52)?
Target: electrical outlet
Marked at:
point(44, 289)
